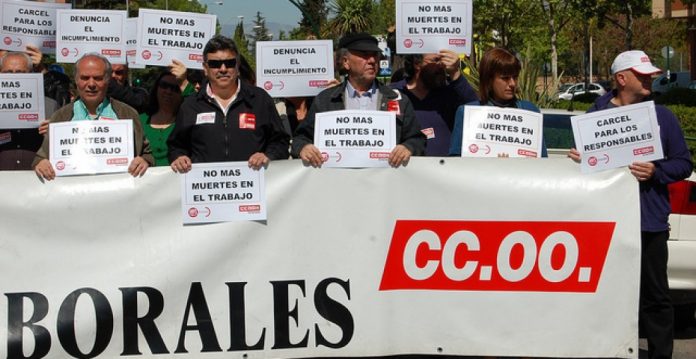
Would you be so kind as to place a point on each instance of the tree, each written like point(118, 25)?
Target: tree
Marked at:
point(240, 39)
point(314, 13)
point(351, 16)
point(259, 32)
point(557, 14)
point(504, 22)
point(614, 11)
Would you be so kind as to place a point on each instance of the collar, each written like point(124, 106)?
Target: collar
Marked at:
point(511, 103)
point(104, 110)
point(211, 94)
point(353, 93)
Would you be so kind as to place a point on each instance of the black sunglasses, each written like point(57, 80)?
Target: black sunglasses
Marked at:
point(216, 64)
point(169, 86)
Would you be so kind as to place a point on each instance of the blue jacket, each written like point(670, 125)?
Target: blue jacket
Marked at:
point(435, 113)
point(675, 166)
point(456, 142)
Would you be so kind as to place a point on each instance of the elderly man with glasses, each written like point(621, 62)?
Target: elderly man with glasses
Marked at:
point(228, 120)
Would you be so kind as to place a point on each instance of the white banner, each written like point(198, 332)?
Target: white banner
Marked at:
point(223, 192)
point(355, 138)
point(428, 26)
point(131, 34)
point(88, 147)
point(492, 131)
point(450, 258)
point(22, 100)
point(617, 137)
point(167, 35)
point(29, 23)
point(85, 31)
point(294, 68)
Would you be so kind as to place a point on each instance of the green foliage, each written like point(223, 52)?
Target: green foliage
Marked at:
point(565, 104)
point(586, 97)
point(678, 96)
point(240, 38)
point(351, 16)
point(687, 120)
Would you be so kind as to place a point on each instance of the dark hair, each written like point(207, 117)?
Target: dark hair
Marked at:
point(496, 61)
point(410, 62)
point(153, 105)
point(219, 43)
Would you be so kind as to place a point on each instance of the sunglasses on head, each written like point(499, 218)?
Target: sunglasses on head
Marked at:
point(216, 64)
point(169, 86)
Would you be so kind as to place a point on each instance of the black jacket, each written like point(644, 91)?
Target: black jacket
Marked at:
point(231, 137)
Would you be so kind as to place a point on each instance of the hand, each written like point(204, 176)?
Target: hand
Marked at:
point(574, 155)
point(399, 156)
point(452, 64)
point(44, 170)
point(310, 154)
point(138, 167)
point(178, 69)
point(332, 83)
point(43, 127)
point(35, 54)
point(258, 160)
point(181, 165)
point(642, 171)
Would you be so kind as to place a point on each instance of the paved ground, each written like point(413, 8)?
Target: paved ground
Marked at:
point(684, 343)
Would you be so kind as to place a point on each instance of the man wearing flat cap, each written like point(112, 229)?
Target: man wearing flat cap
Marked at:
point(361, 91)
point(632, 71)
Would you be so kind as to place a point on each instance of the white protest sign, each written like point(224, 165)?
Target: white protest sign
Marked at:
point(90, 147)
point(223, 192)
point(489, 131)
point(355, 138)
point(428, 26)
point(29, 23)
point(617, 137)
point(167, 35)
point(131, 34)
point(294, 68)
point(21, 100)
point(85, 31)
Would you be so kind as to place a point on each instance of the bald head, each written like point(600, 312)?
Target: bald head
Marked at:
point(15, 63)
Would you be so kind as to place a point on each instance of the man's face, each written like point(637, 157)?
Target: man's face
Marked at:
point(361, 66)
point(120, 74)
point(91, 81)
point(14, 65)
point(220, 71)
point(432, 72)
point(638, 85)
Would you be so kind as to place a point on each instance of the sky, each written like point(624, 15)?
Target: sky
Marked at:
point(275, 11)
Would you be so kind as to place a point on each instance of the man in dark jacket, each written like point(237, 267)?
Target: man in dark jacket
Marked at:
point(436, 87)
point(361, 91)
point(632, 72)
point(228, 120)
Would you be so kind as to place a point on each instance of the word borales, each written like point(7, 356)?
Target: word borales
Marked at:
point(497, 255)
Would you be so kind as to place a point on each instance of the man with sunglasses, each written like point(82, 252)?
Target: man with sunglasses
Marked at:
point(359, 55)
point(228, 120)
point(632, 71)
point(436, 88)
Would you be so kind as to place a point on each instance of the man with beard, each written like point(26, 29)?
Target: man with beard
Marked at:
point(358, 57)
point(228, 119)
point(436, 88)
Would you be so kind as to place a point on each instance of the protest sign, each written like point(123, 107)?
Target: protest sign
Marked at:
point(491, 131)
point(90, 147)
point(131, 43)
point(167, 35)
point(29, 23)
point(223, 192)
point(355, 138)
point(428, 26)
point(21, 100)
point(617, 137)
point(294, 68)
point(84, 31)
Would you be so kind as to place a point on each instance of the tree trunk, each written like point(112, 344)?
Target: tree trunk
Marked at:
point(629, 26)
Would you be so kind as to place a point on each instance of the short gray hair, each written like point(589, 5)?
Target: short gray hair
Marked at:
point(107, 64)
point(27, 59)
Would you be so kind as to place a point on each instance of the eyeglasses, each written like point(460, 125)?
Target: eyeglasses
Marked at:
point(216, 64)
point(169, 86)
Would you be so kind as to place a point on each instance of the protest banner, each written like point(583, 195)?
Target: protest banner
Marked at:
point(617, 137)
point(355, 138)
point(294, 68)
point(222, 192)
point(132, 43)
point(84, 31)
point(91, 147)
point(22, 101)
point(428, 26)
point(167, 35)
point(350, 263)
point(29, 23)
point(490, 131)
